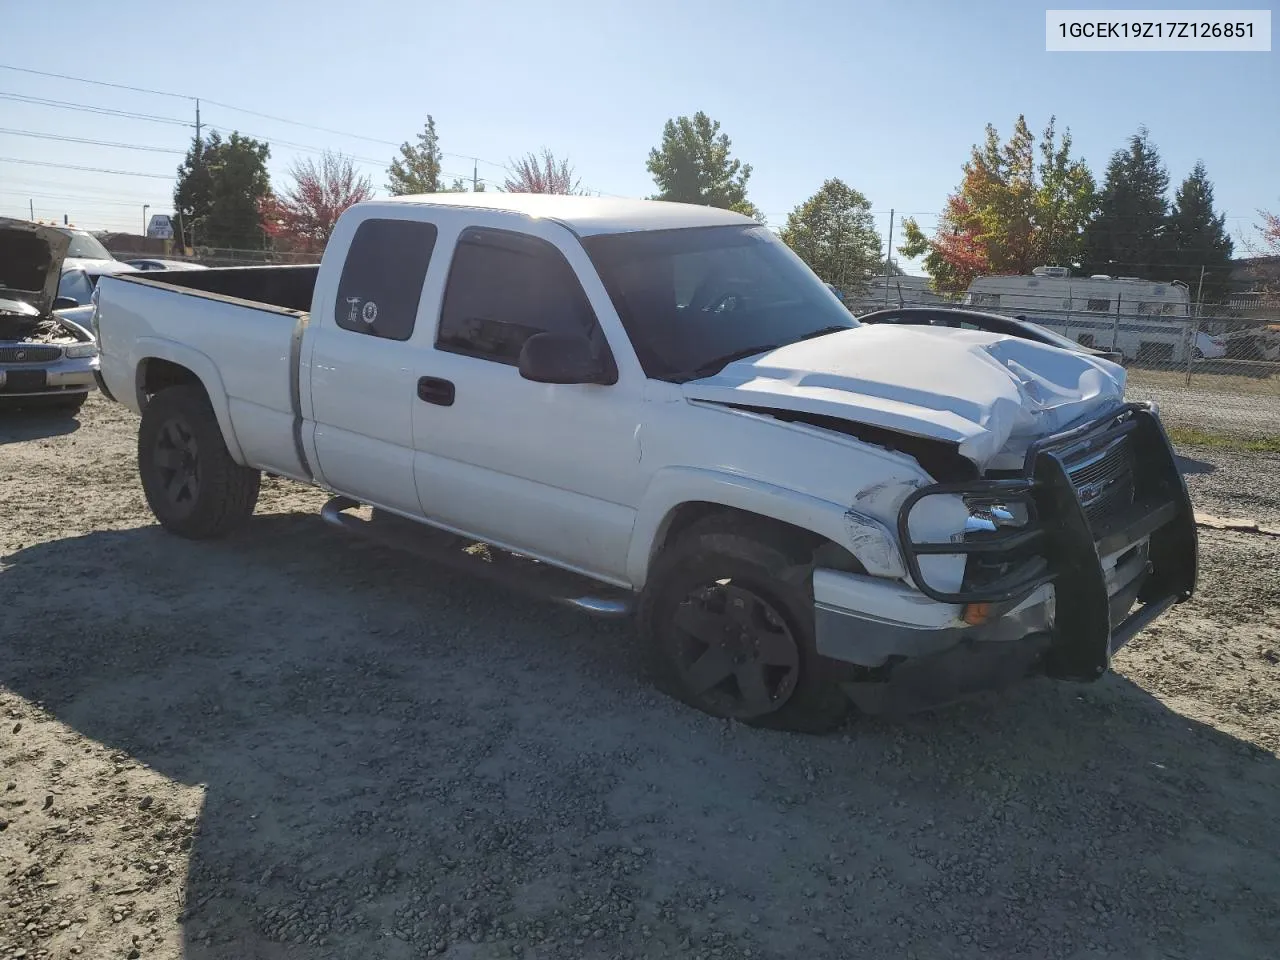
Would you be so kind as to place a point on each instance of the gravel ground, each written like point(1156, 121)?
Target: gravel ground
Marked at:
point(1234, 485)
point(1236, 414)
point(285, 745)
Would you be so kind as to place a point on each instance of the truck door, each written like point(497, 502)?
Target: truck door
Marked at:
point(548, 469)
point(362, 383)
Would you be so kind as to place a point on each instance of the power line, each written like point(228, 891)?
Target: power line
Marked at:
point(70, 166)
point(96, 143)
point(92, 108)
point(99, 83)
point(229, 106)
point(84, 201)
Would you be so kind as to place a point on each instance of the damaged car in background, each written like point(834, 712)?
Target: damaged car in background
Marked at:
point(46, 359)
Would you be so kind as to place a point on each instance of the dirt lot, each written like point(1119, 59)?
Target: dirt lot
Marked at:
point(285, 745)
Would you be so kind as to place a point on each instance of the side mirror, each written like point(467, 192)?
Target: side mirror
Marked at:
point(563, 358)
point(65, 303)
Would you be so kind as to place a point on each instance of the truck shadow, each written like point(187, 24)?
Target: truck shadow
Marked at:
point(393, 759)
point(33, 423)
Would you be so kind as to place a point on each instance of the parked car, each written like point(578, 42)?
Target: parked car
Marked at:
point(967, 319)
point(166, 265)
point(46, 357)
point(656, 409)
point(1208, 347)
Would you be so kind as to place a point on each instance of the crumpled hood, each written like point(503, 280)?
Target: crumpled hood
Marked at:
point(31, 258)
point(985, 392)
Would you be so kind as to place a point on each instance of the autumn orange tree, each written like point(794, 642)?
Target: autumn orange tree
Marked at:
point(1012, 211)
point(303, 216)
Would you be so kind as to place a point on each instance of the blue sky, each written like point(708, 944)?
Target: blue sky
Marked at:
point(887, 96)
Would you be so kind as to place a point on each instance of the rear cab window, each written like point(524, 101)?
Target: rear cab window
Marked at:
point(382, 277)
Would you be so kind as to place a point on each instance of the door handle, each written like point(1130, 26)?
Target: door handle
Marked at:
point(435, 390)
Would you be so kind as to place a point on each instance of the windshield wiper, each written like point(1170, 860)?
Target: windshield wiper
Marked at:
point(714, 366)
point(823, 332)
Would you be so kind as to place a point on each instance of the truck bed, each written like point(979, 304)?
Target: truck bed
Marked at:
point(239, 329)
point(284, 287)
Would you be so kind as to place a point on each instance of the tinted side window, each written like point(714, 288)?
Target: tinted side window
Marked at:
point(383, 276)
point(503, 288)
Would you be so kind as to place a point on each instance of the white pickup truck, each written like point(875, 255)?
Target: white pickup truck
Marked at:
point(657, 408)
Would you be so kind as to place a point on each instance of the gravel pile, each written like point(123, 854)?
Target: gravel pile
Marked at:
point(287, 745)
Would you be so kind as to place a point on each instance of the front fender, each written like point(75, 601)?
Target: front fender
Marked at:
point(868, 539)
point(148, 348)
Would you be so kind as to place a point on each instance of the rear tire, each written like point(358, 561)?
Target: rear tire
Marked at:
point(193, 486)
point(751, 654)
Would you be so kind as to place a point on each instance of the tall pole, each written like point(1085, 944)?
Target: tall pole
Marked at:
point(145, 208)
point(199, 148)
point(32, 205)
point(888, 255)
point(475, 175)
point(1195, 324)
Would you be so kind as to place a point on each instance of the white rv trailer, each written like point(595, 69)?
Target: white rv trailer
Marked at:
point(1142, 319)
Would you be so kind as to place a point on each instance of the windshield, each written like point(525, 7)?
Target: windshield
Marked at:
point(85, 246)
point(693, 297)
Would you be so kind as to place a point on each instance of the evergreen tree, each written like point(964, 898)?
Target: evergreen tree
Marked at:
point(417, 169)
point(220, 186)
point(693, 165)
point(1127, 238)
point(1198, 237)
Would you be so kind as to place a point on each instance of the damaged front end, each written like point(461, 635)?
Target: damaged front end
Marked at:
point(1064, 560)
point(42, 355)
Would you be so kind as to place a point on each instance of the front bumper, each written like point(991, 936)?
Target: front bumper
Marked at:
point(48, 379)
point(1064, 600)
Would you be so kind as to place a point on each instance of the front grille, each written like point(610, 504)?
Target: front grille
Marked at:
point(33, 354)
point(1103, 481)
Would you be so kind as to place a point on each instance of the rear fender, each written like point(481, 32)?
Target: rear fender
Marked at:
point(205, 370)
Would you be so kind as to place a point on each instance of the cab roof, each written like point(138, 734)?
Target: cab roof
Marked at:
point(585, 216)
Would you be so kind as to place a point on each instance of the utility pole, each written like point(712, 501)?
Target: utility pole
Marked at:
point(145, 208)
point(199, 147)
point(1195, 324)
point(32, 205)
point(887, 257)
point(475, 175)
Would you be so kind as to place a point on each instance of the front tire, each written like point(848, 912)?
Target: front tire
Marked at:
point(727, 615)
point(192, 485)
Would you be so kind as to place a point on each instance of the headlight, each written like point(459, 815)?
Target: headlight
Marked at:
point(988, 515)
point(81, 350)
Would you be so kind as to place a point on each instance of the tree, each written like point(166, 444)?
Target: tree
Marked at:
point(220, 185)
point(304, 215)
point(1198, 238)
point(1128, 236)
point(1010, 213)
point(834, 233)
point(1270, 230)
point(417, 169)
point(693, 165)
point(546, 175)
